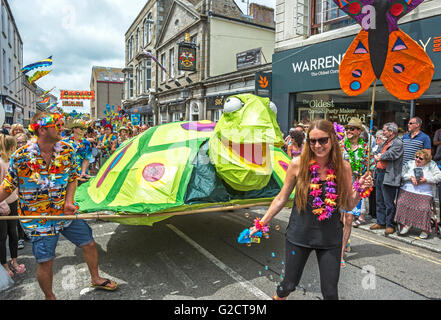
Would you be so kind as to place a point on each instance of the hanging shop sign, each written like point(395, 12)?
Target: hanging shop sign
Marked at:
point(187, 57)
point(249, 58)
point(263, 84)
point(216, 103)
point(135, 119)
point(73, 103)
point(77, 95)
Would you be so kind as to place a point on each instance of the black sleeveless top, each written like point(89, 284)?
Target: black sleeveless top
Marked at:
point(306, 230)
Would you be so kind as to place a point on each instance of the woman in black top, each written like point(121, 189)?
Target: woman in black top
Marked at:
point(323, 182)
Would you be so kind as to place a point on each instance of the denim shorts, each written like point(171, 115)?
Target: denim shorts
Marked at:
point(78, 232)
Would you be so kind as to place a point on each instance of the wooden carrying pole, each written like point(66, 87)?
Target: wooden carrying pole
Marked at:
point(102, 215)
point(371, 127)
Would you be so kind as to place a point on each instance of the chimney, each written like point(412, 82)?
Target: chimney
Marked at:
point(262, 14)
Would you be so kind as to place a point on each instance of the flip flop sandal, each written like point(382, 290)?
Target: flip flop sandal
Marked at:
point(19, 269)
point(104, 286)
point(358, 223)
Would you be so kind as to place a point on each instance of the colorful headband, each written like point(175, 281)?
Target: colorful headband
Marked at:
point(47, 121)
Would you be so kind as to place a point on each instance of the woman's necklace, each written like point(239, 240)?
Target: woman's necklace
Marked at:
point(323, 209)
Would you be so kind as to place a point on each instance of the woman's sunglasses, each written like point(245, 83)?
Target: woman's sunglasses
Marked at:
point(321, 141)
point(419, 158)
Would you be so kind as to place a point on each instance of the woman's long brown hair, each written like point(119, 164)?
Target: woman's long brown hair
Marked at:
point(335, 160)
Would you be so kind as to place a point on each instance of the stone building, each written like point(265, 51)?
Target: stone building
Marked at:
point(140, 70)
point(29, 101)
point(108, 85)
point(11, 51)
point(219, 33)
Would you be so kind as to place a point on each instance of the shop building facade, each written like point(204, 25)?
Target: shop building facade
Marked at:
point(140, 70)
point(227, 48)
point(311, 39)
point(11, 52)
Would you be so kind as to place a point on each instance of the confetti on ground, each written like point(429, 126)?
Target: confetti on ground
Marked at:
point(293, 253)
point(266, 268)
point(277, 228)
point(273, 254)
point(247, 215)
point(260, 273)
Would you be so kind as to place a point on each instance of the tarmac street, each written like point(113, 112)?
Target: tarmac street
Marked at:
point(197, 257)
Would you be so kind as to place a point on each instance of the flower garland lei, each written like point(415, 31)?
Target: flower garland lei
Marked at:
point(356, 164)
point(36, 165)
point(323, 209)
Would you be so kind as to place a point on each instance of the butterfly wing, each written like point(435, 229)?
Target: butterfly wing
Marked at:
point(398, 9)
point(356, 72)
point(354, 8)
point(408, 71)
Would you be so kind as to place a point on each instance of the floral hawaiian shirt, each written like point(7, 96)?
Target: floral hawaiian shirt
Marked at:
point(83, 150)
point(41, 187)
point(107, 142)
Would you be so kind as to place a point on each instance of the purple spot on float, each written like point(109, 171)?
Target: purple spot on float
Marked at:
point(284, 165)
point(198, 126)
point(113, 164)
point(153, 172)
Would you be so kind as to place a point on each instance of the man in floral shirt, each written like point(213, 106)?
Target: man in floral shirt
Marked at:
point(45, 173)
point(82, 147)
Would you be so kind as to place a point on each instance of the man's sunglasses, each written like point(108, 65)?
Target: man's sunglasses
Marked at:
point(321, 141)
point(351, 128)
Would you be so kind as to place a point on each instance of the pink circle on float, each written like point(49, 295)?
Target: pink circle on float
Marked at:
point(153, 172)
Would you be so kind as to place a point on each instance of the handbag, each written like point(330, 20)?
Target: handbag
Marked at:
point(5, 210)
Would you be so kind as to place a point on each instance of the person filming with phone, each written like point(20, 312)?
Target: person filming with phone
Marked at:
point(415, 204)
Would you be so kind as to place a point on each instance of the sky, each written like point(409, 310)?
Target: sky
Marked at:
point(78, 34)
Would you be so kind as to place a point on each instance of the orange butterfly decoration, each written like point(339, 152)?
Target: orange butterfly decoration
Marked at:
point(382, 51)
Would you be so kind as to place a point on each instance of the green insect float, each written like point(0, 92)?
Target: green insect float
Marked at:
point(193, 165)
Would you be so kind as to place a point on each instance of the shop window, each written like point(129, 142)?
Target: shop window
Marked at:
point(140, 84)
point(148, 30)
point(148, 74)
point(163, 118)
point(162, 71)
point(137, 41)
point(217, 115)
point(177, 117)
point(326, 16)
point(172, 63)
point(131, 85)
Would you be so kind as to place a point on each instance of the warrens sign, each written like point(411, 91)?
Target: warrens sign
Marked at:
point(319, 64)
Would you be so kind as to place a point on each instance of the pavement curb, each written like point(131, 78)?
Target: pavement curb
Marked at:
point(433, 243)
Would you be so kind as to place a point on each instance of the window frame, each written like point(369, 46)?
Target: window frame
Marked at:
point(315, 27)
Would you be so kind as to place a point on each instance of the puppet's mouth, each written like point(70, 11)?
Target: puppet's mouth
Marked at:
point(254, 153)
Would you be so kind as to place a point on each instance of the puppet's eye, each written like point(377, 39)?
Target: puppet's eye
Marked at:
point(273, 107)
point(232, 104)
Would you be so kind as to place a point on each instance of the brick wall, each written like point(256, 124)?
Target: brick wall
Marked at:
point(262, 14)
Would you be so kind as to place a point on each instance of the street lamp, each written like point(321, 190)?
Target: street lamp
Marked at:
point(185, 93)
